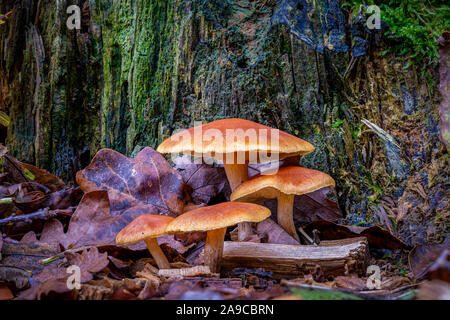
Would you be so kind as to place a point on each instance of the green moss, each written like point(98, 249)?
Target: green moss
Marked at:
point(413, 25)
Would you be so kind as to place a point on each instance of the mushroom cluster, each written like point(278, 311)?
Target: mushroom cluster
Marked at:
point(235, 143)
point(213, 220)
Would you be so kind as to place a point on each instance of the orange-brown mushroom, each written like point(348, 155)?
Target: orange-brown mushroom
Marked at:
point(284, 186)
point(236, 142)
point(215, 220)
point(147, 227)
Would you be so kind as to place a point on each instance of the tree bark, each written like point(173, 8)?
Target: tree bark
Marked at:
point(138, 70)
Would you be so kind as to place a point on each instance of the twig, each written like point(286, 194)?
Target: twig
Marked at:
point(386, 137)
point(61, 255)
point(308, 238)
point(42, 214)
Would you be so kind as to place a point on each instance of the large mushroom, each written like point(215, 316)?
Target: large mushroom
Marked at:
point(283, 186)
point(215, 220)
point(147, 227)
point(236, 142)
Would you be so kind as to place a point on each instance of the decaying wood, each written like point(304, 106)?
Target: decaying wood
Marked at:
point(337, 257)
point(203, 271)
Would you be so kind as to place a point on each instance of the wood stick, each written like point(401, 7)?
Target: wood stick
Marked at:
point(197, 271)
point(41, 214)
point(337, 257)
point(229, 283)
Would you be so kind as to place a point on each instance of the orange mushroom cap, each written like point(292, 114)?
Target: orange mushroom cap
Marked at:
point(218, 216)
point(185, 141)
point(143, 227)
point(288, 180)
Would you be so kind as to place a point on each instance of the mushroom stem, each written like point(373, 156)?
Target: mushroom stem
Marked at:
point(214, 249)
point(285, 214)
point(157, 253)
point(236, 174)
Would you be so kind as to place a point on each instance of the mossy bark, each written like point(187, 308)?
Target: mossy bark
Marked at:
point(137, 70)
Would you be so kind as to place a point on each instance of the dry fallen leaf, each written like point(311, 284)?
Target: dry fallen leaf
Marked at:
point(422, 257)
point(44, 177)
point(5, 293)
point(434, 290)
point(54, 278)
point(206, 182)
point(91, 224)
point(31, 201)
point(377, 236)
point(268, 229)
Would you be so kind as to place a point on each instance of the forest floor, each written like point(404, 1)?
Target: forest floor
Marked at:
point(48, 227)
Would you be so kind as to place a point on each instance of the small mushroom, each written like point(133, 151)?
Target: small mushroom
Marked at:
point(147, 227)
point(284, 186)
point(236, 142)
point(215, 220)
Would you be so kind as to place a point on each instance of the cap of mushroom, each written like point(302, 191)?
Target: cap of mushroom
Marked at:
point(284, 185)
point(147, 227)
point(215, 220)
point(230, 140)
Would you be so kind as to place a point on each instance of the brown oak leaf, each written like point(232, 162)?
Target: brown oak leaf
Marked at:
point(376, 236)
point(206, 182)
point(147, 181)
point(54, 278)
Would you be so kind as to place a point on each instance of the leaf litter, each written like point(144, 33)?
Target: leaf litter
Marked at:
point(114, 189)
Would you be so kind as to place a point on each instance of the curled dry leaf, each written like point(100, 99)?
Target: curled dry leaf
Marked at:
point(54, 278)
point(148, 183)
point(90, 262)
point(18, 172)
point(377, 236)
point(32, 201)
point(316, 206)
point(43, 177)
point(310, 207)
point(422, 257)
